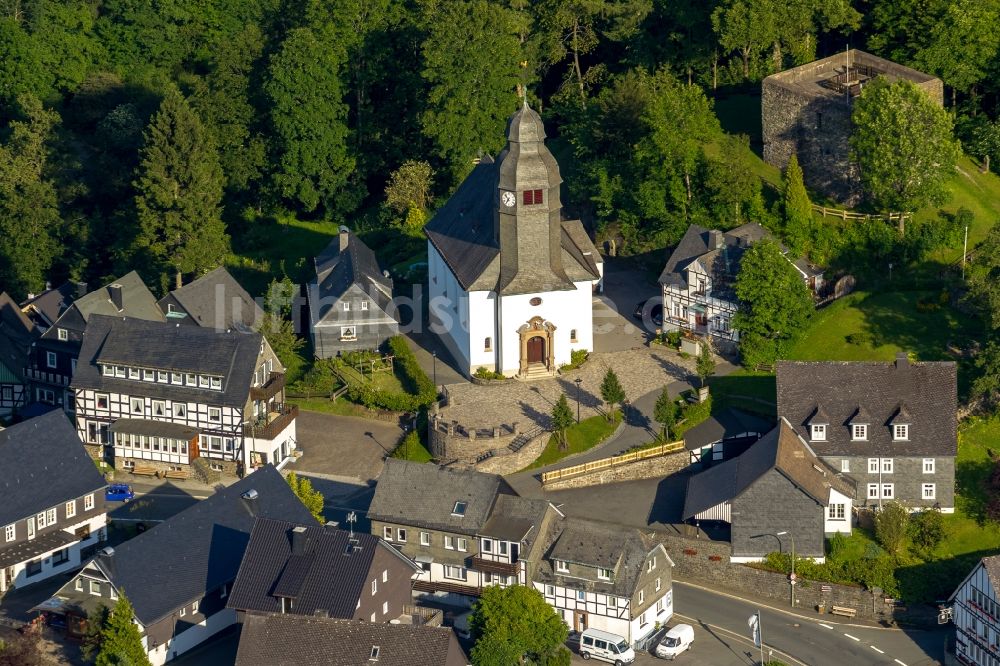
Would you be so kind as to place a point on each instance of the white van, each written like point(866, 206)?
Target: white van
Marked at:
point(606, 647)
point(675, 641)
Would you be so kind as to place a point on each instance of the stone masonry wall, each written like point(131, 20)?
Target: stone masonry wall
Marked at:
point(706, 562)
point(508, 462)
point(643, 469)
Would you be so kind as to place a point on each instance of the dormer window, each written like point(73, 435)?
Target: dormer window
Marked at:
point(818, 432)
point(561, 566)
point(604, 574)
point(901, 432)
point(107, 370)
point(216, 383)
point(62, 333)
point(859, 432)
point(459, 508)
point(532, 197)
point(133, 373)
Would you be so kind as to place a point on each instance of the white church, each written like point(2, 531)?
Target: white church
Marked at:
point(511, 283)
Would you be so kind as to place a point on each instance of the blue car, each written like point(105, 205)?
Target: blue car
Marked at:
point(118, 492)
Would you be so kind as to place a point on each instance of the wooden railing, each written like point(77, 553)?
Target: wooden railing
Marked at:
point(275, 382)
point(491, 566)
point(273, 428)
point(851, 215)
point(606, 463)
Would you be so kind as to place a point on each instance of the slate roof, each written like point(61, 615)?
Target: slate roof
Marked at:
point(45, 308)
point(338, 270)
point(992, 566)
point(721, 263)
point(23, 551)
point(200, 548)
point(465, 230)
point(424, 495)
point(727, 424)
point(215, 300)
point(516, 519)
point(599, 545)
point(291, 640)
point(167, 346)
point(16, 335)
point(329, 573)
point(137, 302)
point(781, 450)
point(44, 464)
point(927, 390)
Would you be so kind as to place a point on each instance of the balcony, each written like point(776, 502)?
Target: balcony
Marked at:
point(274, 384)
point(442, 586)
point(490, 566)
point(270, 426)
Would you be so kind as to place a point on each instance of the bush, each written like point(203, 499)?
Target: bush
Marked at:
point(483, 372)
point(420, 389)
point(674, 338)
point(320, 380)
point(927, 530)
point(863, 339)
point(576, 359)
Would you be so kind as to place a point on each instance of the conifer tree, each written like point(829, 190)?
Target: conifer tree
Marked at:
point(612, 392)
point(178, 193)
point(665, 413)
point(122, 643)
point(797, 208)
point(562, 418)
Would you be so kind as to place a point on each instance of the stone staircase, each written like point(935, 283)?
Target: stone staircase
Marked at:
point(537, 371)
point(521, 440)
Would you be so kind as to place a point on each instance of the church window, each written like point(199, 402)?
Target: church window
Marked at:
point(532, 197)
point(488, 345)
point(572, 335)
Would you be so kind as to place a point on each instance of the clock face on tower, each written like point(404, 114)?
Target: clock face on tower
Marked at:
point(508, 199)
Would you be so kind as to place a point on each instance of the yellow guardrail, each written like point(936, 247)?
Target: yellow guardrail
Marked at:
point(607, 463)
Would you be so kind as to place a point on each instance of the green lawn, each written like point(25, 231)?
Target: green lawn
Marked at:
point(340, 406)
point(412, 449)
point(581, 436)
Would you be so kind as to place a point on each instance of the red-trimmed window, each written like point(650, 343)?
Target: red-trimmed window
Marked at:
point(532, 197)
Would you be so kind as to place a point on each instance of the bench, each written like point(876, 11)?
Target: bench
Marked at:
point(176, 474)
point(843, 611)
point(141, 470)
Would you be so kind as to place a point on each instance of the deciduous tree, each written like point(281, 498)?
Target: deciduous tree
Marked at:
point(774, 303)
point(705, 365)
point(122, 643)
point(313, 163)
point(409, 187)
point(891, 524)
point(903, 144)
point(963, 44)
point(514, 624)
point(311, 498)
point(472, 80)
point(178, 193)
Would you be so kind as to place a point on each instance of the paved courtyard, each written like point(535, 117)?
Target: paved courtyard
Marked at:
point(641, 370)
point(343, 447)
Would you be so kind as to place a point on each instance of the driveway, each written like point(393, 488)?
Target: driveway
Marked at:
point(343, 448)
point(614, 327)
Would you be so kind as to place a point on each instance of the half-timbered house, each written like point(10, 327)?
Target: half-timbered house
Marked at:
point(163, 395)
point(53, 359)
point(975, 610)
point(52, 513)
point(17, 333)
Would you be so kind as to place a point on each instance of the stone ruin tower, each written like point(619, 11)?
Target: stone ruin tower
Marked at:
point(806, 110)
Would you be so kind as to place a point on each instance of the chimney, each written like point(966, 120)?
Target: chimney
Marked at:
point(345, 234)
point(902, 360)
point(115, 293)
point(715, 239)
point(81, 289)
point(299, 540)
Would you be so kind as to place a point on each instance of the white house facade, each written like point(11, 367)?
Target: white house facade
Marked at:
point(510, 283)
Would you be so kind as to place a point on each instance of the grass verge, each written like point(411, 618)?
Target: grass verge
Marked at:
point(581, 437)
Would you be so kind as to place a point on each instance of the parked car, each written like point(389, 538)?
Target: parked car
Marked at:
point(675, 641)
point(649, 308)
point(118, 492)
point(606, 646)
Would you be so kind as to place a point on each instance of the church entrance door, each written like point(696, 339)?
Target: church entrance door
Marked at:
point(536, 350)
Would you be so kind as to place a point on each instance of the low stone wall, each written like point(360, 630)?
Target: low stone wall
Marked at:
point(705, 562)
point(507, 462)
point(642, 469)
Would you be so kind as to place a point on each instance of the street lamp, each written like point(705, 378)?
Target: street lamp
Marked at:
point(434, 355)
point(791, 579)
point(578, 381)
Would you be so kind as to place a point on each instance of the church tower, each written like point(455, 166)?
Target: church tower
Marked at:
point(529, 230)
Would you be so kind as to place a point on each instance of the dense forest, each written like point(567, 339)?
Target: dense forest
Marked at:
point(165, 135)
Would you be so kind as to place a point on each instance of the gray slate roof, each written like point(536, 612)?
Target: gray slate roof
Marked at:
point(728, 423)
point(17, 332)
point(466, 229)
point(596, 544)
point(215, 300)
point(137, 302)
point(44, 464)
point(927, 390)
point(45, 308)
point(325, 575)
point(780, 450)
point(166, 346)
point(291, 640)
point(424, 495)
point(992, 566)
point(200, 548)
point(338, 270)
